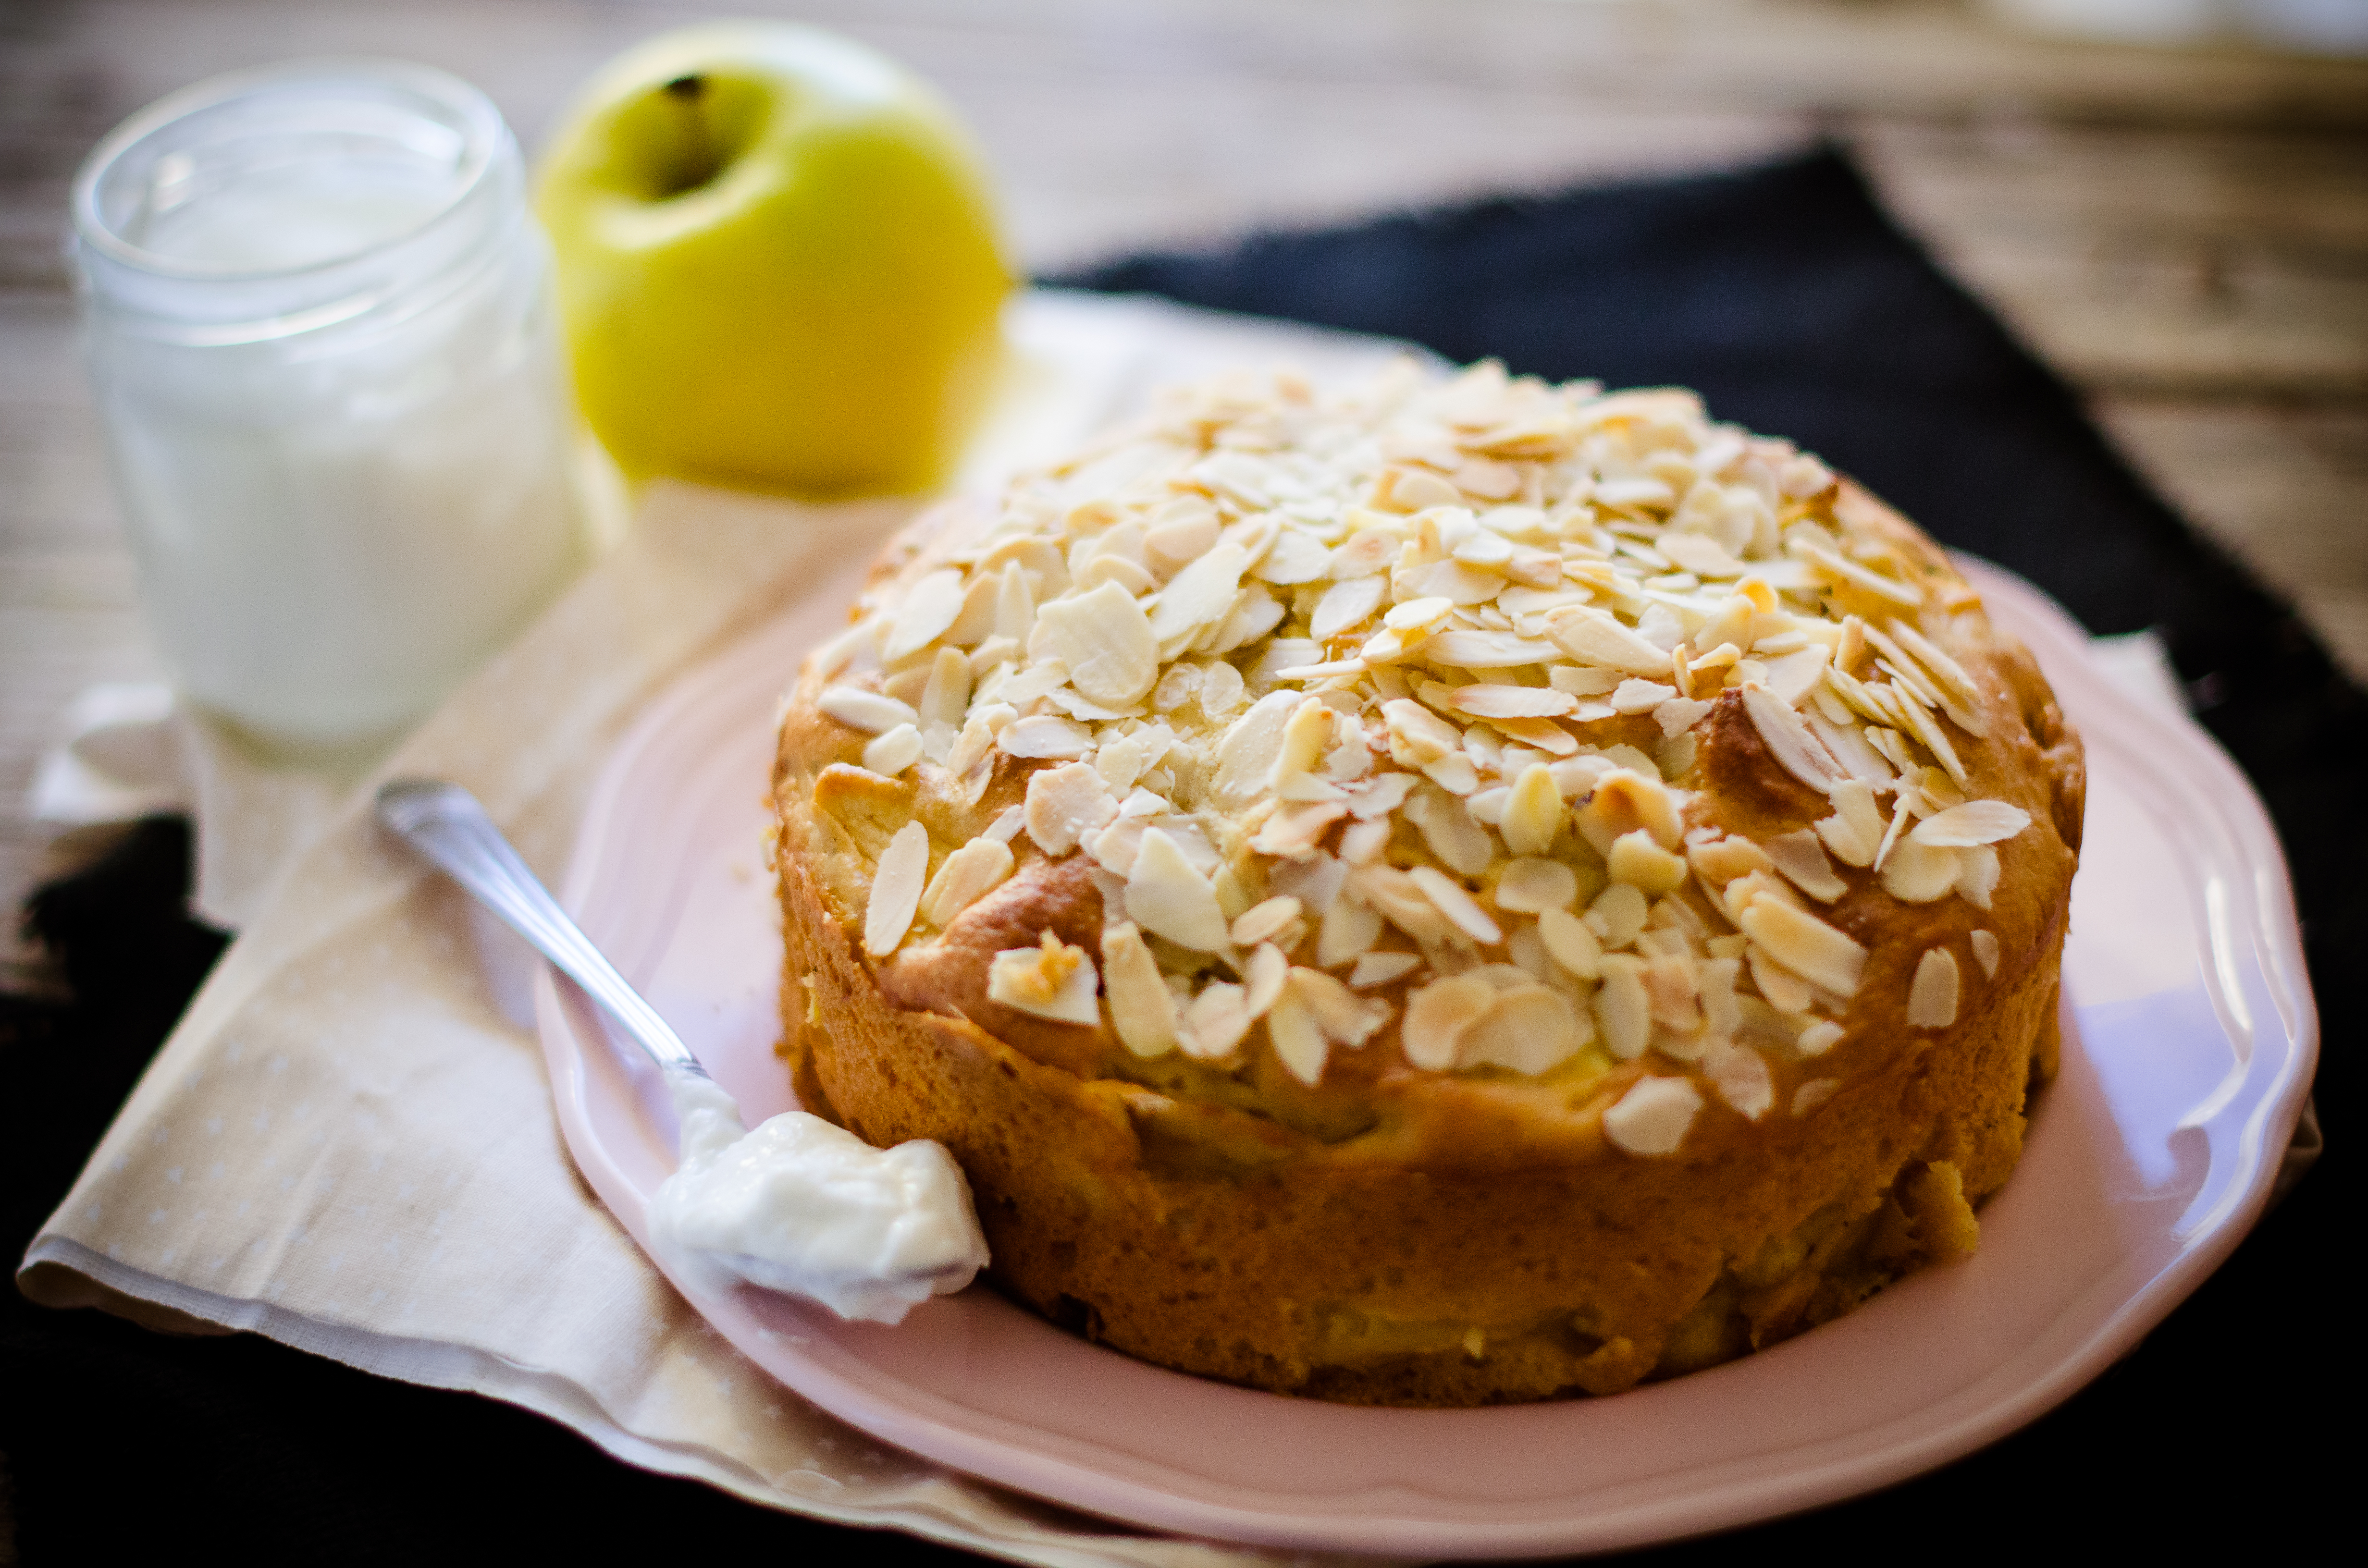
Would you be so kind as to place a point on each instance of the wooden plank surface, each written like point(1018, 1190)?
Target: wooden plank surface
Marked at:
point(2184, 233)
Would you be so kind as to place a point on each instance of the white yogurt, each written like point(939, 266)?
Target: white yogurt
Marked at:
point(806, 1208)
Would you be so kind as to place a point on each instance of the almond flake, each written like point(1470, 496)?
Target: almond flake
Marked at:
point(1654, 1115)
point(1625, 799)
point(1785, 991)
point(1065, 805)
point(1045, 736)
point(1345, 1018)
point(1299, 1044)
point(969, 874)
point(1933, 995)
point(929, 608)
point(1680, 714)
point(1740, 1076)
point(1380, 969)
point(1617, 914)
point(1450, 898)
point(1265, 921)
point(1592, 637)
point(1919, 873)
point(1143, 1010)
point(1346, 606)
point(1107, 643)
point(1292, 831)
point(1571, 942)
point(1802, 861)
point(1986, 952)
point(1835, 566)
point(1635, 695)
point(1719, 861)
point(1247, 753)
point(1201, 595)
point(1813, 1093)
point(1531, 886)
point(1975, 822)
point(1263, 978)
point(1295, 557)
point(896, 890)
point(1639, 862)
point(1448, 831)
point(1486, 650)
point(1700, 554)
point(1166, 895)
point(1532, 814)
point(1399, 900)
point(1183, 534)
point(1817, 952)
point(1215, 1024)
point(1052, 981)
point(1789, 740)
point(891, 753)
point(1436, 1016)
point(1977, 875)
point(1528, 1028)
point(1485, 701)
point(1818, 1038)
point(875, 713)
point(1623, 1007)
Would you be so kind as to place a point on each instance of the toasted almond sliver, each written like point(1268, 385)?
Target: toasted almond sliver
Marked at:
point(1740, 1076)
point(1617, 914)
point(1591, 637)
point(928, 609)
point(1487, 649)
point(1977, 875)
point(1848, 571)
point(1653, 1116)
point(1107, 643)
point(874, 712)
point(1201, 595)
point(1045, 736)
point(1166, 894)
point(891, 753)
point(1571, 943)
point(969, 874)
point(1299, 1044)
point(1436, 1016)
point(1450, 898)
point(1623, 1007)
point(1805, 945)
point(1789, 740)
point(1531, 1028)
point(1986, 952)
point(1065, 805)
point(896, 890)
point(1485, 701)
point(1266, 920)
point(1818, 1038)
point(1345, 1017)
point(1143, 1010)
point(1802, 860)
point(1052, 981)
point(1346, 606)
point(1625, 799)
point(1531, 885)
point(1975, 822)
point(1813, 1093)
point(1380, 969)
point(1263, 981)
point(1215, 1023)
point(1349, 930)
point(1919, 873)
point(1933, 995)
point(1644, 865)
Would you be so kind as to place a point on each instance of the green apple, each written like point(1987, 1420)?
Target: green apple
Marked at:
point(777, 260)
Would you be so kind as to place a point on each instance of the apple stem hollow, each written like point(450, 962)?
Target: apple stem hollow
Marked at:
point(700, 161)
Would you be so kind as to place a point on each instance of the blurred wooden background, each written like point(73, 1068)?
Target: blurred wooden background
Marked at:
point(2184, 233)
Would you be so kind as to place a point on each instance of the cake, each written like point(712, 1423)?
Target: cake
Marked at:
point(1449, 890)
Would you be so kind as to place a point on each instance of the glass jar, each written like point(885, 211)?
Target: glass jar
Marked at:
point(321, 334)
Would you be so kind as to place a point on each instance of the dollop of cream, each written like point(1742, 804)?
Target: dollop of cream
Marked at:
point(806, 1208)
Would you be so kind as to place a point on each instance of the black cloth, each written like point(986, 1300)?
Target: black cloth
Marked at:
point(1786, 296)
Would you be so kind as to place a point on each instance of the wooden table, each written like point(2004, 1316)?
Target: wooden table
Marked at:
point(2183, 233)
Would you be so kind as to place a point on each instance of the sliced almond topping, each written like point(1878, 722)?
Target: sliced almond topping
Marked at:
point(1975, 822)
point(1642, 864)
point(1720, 861)
point(1654, 1115)
point(1625, 800)
point(1933, 995)
point(1528, 1029)
point(1571, 943)
point(1789, 740)
point(1436, 1016)
point(1052, 981)
point(1485, 701)
point(1623, 1007)
point(1591, 637)
point(1349, 931)
point(1400, 900)
point(1166, 895)
point(1201, 595)
point(1380, 969)
point(1045, 736)
point(1670, 988)
point(1977, 875)
point(1215, 1024)
point(1486, 650)
point(1291, 832)
point(874, 712)
point(1346, 606)
point(1813, 1093)
point(1986, 953)
point(1299, 1043)
point(968, 875)
point(1143, 1010)
point(1740, 1076)
point(1449, 897)
point(891, 753)
point(1533, 813)
point(1818, 1038)
point(1531, 886)
point(1841, 569)
point(1855, 830)
point(1617, 914)
point(1106, 641)
point(1779, 987)
point(1265, 921)
point(1066, 805)
point(928, 609)
point(1247, 753)
point(1805, 945)
point(1722, 1016)
point(1802, 861)
point(896, 890)
point(1181, 535)
point(1263, 979)
point(1919, 873)
point(1417, 736)
point(1345, 1018)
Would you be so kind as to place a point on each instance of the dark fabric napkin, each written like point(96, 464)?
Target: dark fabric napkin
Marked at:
point(1794, 305)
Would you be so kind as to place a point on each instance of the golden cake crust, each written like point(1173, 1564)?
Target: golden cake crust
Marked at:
point(1384, 1231)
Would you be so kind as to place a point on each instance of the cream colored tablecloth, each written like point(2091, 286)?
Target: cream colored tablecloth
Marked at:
point(348, 1144)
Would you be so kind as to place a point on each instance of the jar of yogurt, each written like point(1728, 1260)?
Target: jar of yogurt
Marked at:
point(321, 334)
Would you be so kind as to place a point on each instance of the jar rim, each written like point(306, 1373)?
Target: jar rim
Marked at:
point(483, 131)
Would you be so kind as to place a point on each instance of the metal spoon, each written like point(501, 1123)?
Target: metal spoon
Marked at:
point(869, 1232)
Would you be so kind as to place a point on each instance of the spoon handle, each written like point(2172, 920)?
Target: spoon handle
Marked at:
point(445, 822)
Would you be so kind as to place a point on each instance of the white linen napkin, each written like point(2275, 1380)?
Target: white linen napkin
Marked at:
point(348, 1144)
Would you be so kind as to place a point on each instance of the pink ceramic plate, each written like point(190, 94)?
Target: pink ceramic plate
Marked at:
point(2189, 1045)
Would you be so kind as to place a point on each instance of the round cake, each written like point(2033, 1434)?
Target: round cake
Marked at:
point(1436, 892)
